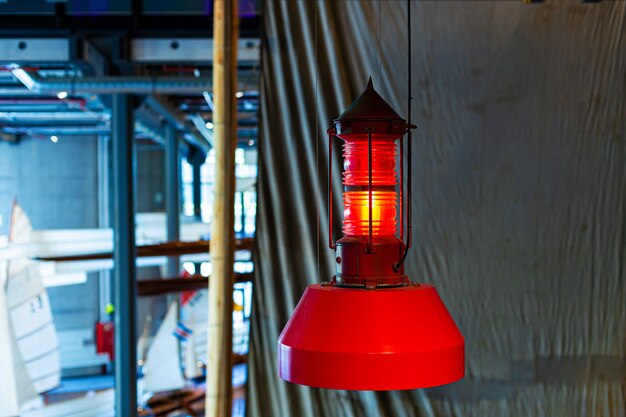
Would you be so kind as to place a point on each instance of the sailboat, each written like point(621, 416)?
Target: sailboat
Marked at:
point(30, 362)
point(194, 314)
point(29, 345)
point(163, 384)
point(162, 371)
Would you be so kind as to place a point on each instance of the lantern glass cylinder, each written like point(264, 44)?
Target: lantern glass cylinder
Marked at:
point(356, 181)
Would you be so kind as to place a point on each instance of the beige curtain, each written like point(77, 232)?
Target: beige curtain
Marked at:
point(519, 198)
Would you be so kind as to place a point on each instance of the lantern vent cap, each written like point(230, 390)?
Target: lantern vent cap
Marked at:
point(369, 105)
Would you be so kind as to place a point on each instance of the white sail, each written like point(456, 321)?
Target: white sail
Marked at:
point(162, 370)
point(29, 310)
point(29, 347)
point(17, 393)
point(194, 314)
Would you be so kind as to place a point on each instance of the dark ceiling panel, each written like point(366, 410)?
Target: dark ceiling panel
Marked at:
point(12, 25)
point(247, 8)
point(32, 7)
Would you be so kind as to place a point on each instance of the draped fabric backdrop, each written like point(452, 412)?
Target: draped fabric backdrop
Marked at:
point(519, 193)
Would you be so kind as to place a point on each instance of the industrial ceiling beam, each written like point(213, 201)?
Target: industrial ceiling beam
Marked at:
point(200, 124)
point(140, 130)
point(53, 117)
point(142, 50)
point(197, 50)
point(177, 119)
point(109, 85)
point(181, 25)
point(126, 84)
point(35, 49)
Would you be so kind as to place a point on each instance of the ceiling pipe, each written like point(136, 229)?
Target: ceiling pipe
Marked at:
point(18, 91)
point(200, 124)
point(125, 84)
point(140, 129)
point(67, 116)
point(137, 85)
point(110, 85)
point(65, 131)
point(90, 118)
point(59, 131)
point(177, 119)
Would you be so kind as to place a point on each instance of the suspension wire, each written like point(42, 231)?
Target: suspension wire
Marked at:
point(408, 180)
point(409, 222)
point(317, 158)
point(408, 31)
point(380, 45)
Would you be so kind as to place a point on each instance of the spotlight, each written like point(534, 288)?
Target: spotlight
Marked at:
point(209, 125)
point(54, 138)
point(239, 94)
point(62, 94)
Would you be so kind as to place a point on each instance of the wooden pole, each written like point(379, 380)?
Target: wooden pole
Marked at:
point(220, 331)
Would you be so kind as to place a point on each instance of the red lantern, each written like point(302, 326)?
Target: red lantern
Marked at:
point(370, 327)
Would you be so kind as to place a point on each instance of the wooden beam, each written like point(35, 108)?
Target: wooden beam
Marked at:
point(159, 249)
point(220, 329)
point(149, 287)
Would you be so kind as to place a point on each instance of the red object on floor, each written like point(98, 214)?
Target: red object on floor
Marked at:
point(384, 339)
point(104, 338)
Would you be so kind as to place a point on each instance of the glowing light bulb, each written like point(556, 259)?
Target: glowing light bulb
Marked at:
point(62, 94)
point(54, 138)
point(209, 125)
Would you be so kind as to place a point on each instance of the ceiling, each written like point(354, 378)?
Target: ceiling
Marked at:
point(61, 60)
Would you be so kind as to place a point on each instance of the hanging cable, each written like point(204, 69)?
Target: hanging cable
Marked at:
point(317, 164)
point(380, 45)
point(409, 225)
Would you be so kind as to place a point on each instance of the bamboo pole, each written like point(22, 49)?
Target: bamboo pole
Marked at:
point(220, 338)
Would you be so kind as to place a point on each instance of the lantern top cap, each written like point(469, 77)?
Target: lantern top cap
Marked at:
point(369, 105)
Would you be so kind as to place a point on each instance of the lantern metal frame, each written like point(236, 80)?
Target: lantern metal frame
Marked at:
point(384, 249)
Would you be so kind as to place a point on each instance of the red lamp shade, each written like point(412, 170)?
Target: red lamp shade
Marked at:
point(356, 339)
point(370, 327)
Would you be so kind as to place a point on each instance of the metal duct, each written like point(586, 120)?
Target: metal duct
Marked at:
point(177, 119)
point(200, 124)
point(126, 84)
point(100, 85)
point(137, 85)
point(16, 91)
point(59, 131)
point(71, 116)
point(139, 129)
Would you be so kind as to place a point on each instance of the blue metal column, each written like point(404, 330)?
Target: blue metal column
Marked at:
point(125, 273)
point(172, 195)
point(197, 189)
point(196, 158)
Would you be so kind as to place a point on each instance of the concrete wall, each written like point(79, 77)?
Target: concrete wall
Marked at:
point(56, 184)
point(150, 179)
